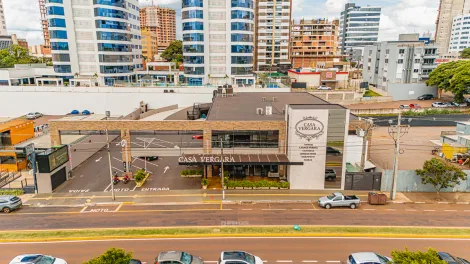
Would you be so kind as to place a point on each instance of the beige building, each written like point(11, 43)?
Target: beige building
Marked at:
point(448, 9)
point(158, 27)
point(272, 34)
point(314, 41)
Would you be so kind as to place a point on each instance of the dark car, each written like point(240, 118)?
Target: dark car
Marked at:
point(149, 158)
point(135, 261)
point(332, 151)
point(426, 97)
point(451, 259)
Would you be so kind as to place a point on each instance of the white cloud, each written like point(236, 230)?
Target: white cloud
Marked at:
point(23, 18)
point(334, 7)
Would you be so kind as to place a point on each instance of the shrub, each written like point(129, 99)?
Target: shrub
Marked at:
point(205, 182)
point(284, 184)
point(112, 256)
point(16, 192)
point(140, 175)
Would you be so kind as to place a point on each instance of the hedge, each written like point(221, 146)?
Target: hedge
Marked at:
point(16, 192)
point(256, 184)
point(191, 172)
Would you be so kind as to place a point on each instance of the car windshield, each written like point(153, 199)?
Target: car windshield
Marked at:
point(382, 259)
point(43, 260)
point(331, 196)
point(249, 258)
point(186, 258)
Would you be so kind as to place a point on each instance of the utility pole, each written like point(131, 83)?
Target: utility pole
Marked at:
point(396, 133)
point(222, 167)
point(110, 170)
point(369, 126)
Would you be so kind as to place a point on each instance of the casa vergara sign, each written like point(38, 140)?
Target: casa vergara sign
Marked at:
point(309, 128)
point(205, 159)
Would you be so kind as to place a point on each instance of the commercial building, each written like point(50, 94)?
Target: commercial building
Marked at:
point(460, 35)
point(292, 137)
point(20, 42)
point(314, 41)
point(99, 39)
point(14, 132)
point(39, 51)
point(158, 27)
point(3, 25)
point(391, 64)
point(448, 9)
point(272, 35)
point(313, 78)
point(218, 41)
point(5, 42)
point(359, 27)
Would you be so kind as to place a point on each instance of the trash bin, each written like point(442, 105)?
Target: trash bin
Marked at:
point(377, 199)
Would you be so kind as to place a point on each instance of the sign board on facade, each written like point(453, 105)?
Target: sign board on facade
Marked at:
point(328, 75)
point(52, 159)
point(29, 149)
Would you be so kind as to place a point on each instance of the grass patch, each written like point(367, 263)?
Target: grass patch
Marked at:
point(98, 234)
point(370, 93)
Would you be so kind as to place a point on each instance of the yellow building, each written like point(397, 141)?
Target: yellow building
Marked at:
point(149, 44)
point(11, 133)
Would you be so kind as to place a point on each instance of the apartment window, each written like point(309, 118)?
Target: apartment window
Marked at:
point(428, 61)
point(115, 58)
point(193, 48)
point(193, 37)
point(56, 22)
point(417, 60)
point(242, 70)
point(400, 61)
point(401, 51)
point(242, 49)
point(61, 57)
point(192, 14)
point(114, 47)
point(194, 59)
point(58, 34)
point(386, 60)
point(113, 36)
point(55, 10)
point(111, 24)
point(242, 3)
point(193, 26)
point(238, 14)
point(368, 68)
point(117, 69)
point(104, 12)
point(54, 1)
point(194, 70)
point(416, 70)
point(242, 37)
point(192, 3)
point(62, 69)
point(370, 52)
point(370, 60)
point(242, 60)
point(118, 3)
point(59, 46)
point(242, 26)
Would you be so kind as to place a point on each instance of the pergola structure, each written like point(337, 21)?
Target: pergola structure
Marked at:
point(83, 81)
point(57, 81)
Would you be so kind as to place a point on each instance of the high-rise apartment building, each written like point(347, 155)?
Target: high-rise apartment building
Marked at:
point(359, 27)
point(314, 41)
point(45, 27)
point(272, 34)
point(218, 41)
point(158, 27)
point(99, 37)
point(460, 35)
point(3, 25)
point(448, 9)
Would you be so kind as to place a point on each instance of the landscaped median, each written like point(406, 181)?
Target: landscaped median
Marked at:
point(239, 231)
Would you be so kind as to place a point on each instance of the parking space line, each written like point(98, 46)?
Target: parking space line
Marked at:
point(313, 206)
point(105, 190)
point(119, 207)
point(83, 209)
point(410, 210)
point(221, 205)
point(368, 209)
point(134, 189)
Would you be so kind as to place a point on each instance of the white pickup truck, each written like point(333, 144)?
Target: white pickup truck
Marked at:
point(338, 199)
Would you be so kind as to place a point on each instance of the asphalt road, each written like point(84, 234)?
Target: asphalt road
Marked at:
point(215, 214)
point(417, 121)
point(270, 250)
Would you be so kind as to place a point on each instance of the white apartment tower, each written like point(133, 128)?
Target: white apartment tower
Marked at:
point(273, 19)
point(218, 41)
point(3, 25)
point(95, 37)
point(460, 35)
point(359, 27)
point(448, 10)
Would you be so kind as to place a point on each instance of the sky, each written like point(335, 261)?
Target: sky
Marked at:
point(398, 16)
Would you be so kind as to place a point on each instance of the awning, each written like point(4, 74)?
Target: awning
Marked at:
point(236, 159)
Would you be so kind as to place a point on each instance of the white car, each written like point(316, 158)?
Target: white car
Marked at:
point(36, 258)
point(323, 87)
point(239, 257)
point(33, 115)
point(439, 105)
point(367, 258)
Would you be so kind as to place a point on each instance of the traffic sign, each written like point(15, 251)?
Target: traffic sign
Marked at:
point(29, 149)
point(123, 143)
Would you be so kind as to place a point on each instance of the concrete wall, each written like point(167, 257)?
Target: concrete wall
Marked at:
point(408, 181)
point(353, 148)
point(44, 179)
point(409, 91)
point(86, 147)
point(159, 110)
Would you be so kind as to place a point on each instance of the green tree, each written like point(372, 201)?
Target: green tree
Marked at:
point(174, 52)
point(453, 77)
point(465, 53)
point(440, 174)
point(14, 55)
point(112, 256)
point(417, 257)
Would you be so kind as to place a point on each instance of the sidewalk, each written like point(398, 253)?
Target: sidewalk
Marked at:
point(188, 197)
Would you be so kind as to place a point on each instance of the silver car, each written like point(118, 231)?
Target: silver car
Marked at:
point(367, 257)
point(177, 257)
point(9, 203)
point(37, 258)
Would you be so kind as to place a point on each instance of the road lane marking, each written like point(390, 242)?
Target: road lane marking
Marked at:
point(391, 209)
point(270, 209)
point(309, 261)
point(98, 160)
point(134, 189)
point(119, 207)
point(410, 210)
point(284, 261)
point(333, 261)
point(296, 209)
point(84, 208)
point(244, 209)
point(429, 210)
point(368, 209)
point(450, 210)
point(210, 261)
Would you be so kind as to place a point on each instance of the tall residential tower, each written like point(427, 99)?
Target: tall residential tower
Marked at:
point(359, 27)
point(158, 26)
point(3, 25)
point(448, 10)
point(272, 34)
point(218, 41)
point(95, 37)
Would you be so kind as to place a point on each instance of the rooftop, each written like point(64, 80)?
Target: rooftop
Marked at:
point(14, 122)
point(243, 106)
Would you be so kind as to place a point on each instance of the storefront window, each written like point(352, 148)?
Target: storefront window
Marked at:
point(246, 139)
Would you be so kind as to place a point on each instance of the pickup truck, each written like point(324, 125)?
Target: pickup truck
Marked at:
point(338, 199)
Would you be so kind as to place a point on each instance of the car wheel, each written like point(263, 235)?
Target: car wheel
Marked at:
point(327, 206)
point(6, 210)
point(353, 206)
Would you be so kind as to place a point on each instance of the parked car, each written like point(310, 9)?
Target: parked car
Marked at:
point(135, 261)
point(37, 258)
point(338, 199)
point(405, 107)
point(451, 259)
point(324, 87)
point(332, 151)
point(33, 115)
point(439, 105)
point(238, 257)
point(426, 97)
point(148, 158)
point(367, 258)
point(198, 137)
point(330, 174)
point(10, 203)
point(455, 104)
point(177, 257)
point(415, 106)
